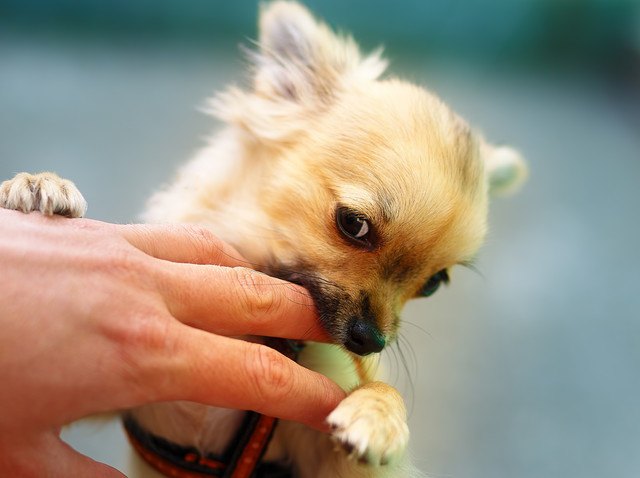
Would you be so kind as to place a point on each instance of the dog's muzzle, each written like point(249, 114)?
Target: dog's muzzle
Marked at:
point(364, 338)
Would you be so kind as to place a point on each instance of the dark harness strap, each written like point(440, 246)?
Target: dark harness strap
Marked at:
point(242, 458)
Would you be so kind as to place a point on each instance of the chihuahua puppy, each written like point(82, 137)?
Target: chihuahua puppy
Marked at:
point(364, 190)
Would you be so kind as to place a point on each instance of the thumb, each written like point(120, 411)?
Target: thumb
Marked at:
point(49, 457)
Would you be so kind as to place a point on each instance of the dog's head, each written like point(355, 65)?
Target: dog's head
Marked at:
point(375, 188)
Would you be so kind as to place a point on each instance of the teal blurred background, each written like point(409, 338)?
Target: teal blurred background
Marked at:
point(529, 370)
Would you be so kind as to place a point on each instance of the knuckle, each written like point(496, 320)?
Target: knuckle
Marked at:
point(269, 373)
point(138, 341)
point(139, 338)
point(116, 270)
point(124, 262)
point(259, 295)
point(142, 330)
point(93, 226)
point(207, 244)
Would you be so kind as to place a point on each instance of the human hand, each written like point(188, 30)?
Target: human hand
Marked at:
point(98, 317)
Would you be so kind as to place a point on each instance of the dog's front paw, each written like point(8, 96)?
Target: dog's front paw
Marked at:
point(371, 424)
point(44, 192)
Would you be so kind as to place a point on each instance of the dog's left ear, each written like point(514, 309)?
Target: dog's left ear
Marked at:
point(302, 60)
point(506, 169)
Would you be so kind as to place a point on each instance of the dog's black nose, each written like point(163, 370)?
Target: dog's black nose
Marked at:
point(364, 338)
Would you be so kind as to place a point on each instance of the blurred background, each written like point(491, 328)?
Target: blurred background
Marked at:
point(529, 369)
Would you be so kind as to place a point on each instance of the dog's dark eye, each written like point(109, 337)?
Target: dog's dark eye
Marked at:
point(354, 226)
point(432, 285)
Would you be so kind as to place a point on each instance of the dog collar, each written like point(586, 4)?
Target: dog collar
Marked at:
point(242, 458)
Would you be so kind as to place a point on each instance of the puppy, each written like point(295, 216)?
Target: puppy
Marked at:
point(366, 191)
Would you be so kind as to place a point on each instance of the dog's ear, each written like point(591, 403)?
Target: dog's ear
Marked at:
point(300, 59)
point(506, 169)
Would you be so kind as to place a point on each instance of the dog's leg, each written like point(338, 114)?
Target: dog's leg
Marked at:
point(44, 192)
point(370, 433)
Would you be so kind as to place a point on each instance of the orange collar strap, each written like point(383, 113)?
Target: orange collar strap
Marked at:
point(241, 461)
point(242, 458)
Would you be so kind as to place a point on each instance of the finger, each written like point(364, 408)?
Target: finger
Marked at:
point(237, 301)
point(47, 455)
point(181, 243)
point(231, 373)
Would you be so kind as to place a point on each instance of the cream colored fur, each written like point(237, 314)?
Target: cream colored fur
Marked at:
point(319, 130)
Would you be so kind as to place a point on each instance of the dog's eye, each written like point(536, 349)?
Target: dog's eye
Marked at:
point(432, 285)
point(354, 226)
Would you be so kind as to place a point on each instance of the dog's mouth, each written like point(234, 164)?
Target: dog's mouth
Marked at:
point(348, 321)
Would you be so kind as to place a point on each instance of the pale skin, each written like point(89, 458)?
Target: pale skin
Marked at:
point(96, 317)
